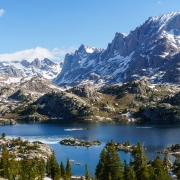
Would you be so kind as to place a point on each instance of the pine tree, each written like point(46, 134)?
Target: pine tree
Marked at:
point(178, 174)
point(87, 177)
point(114, 163)
point(3, 135)
point(126, 170)
point(101, 168)
point(28, 170)
point(52, 168)
point(4, 163)
point(152, 174)
point(109, 164)
point(62, 170)
point(109, 177)
point(140, 162)
point(177, 164)
point(13, 168)
point(68, 169)
point(41, 169)
point(129, 173)
point(165, 161)
point(160, 172)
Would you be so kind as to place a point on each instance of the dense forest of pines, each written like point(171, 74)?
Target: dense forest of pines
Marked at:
point(109, 167)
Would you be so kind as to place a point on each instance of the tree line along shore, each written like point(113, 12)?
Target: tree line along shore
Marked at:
point(109, 166)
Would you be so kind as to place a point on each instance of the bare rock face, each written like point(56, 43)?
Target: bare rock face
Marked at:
point(63, 106)
point(12, 71)
point(19, 95)
point(139, 87)
point(36, 63)
point(150, 50)
point(86, 91)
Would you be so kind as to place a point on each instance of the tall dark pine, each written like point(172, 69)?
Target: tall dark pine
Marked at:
point(102, 168)
point(87, 177)
point(129, 173)
point(4, 163)
point(68, 170)
point(52, 168)
point(62, 169)
point(109, 165)
point(140, 162)
point(160, 172)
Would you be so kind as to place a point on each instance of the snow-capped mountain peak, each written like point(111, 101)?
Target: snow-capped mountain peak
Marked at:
point(150, 50)
point(87, 49)
point(163, 19)
point(43, 68)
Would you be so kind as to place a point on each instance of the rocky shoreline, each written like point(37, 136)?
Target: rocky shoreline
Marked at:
point(173, 150)
point(7, 122)
point(25, 149)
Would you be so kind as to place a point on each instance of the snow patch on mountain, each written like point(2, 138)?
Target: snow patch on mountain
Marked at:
point(150, 50)
point(162, 20)
point(42, 68)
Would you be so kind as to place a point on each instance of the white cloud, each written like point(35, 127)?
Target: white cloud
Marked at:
point(2, 11)
point(63, 51)
point(39, 52)
point(159, 2)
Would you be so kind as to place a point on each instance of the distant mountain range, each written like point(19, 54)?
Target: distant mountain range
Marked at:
point(151, 50)
point(41, 68)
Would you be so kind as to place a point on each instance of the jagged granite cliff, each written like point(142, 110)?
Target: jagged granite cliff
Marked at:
point(151, 50)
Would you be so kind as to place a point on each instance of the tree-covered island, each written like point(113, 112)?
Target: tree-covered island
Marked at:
point(76, 142)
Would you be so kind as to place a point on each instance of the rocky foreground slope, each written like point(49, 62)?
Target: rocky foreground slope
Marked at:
point(25, 149)
point(151, 50)
point(36, 99)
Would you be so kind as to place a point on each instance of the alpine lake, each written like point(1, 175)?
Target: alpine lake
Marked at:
point(153, 136)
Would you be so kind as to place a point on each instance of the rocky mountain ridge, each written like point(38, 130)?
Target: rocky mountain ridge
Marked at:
point(42, 68)
point(35, 99)
point(18, 92)
point(151, 50)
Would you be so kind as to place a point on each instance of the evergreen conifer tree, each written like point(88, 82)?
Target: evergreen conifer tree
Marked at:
point(109, 177)
point(28, 170)
point(41, 169)
point(178, 174)
point(129, 173)
point(68, 169)
point(62, 170)
point(109, 164)
point(4, 163)
point(13, 168)
point(102, 168)
point(87, 177)
point(52, 168)
point(159, 170)
point(140, 162)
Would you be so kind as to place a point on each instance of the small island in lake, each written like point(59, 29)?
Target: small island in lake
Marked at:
point(126, 146)
point(173, 150)
point(76, 142)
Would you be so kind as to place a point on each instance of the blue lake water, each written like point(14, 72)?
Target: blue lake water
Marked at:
point(153, 136)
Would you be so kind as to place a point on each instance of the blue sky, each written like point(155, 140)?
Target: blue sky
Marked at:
point(39, 28)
